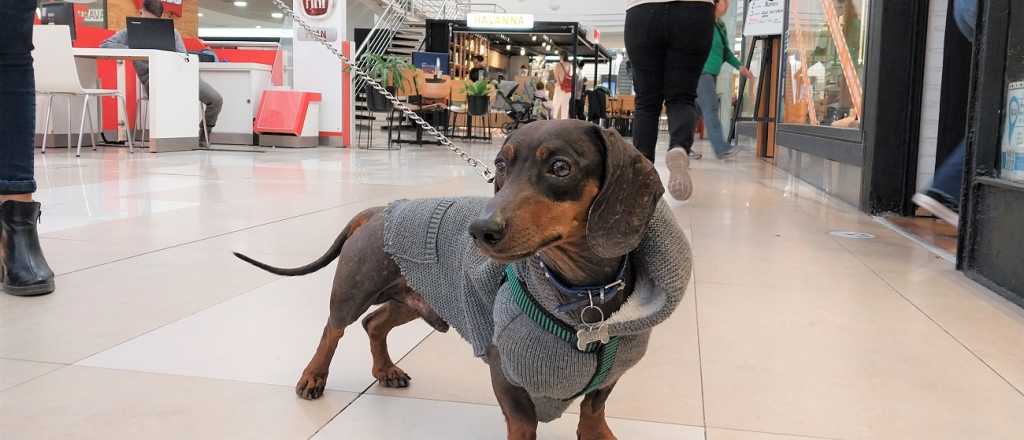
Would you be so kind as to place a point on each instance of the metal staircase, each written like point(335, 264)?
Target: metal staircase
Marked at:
point(399, 31)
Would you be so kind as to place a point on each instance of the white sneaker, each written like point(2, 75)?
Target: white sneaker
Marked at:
point(936, 207)
point(680, 186)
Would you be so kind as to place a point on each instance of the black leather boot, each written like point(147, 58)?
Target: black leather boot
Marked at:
point(23, 268)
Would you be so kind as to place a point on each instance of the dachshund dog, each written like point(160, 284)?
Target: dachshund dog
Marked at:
point(570, 198)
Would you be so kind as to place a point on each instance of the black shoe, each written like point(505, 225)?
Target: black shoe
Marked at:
point(23, 268)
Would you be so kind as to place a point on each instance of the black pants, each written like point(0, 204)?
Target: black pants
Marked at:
point(17, 97)
point(667, 44)
point(581, 106)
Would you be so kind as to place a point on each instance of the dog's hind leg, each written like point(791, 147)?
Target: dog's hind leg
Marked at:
point(593, 425)
point(378, 324)
point(365, 276)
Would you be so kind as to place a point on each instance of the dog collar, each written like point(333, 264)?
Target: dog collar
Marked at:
point(585, 295)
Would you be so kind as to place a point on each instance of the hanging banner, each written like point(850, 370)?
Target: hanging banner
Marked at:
point(764, 18)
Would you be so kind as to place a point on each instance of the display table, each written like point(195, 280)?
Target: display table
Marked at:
point(174, 116)
point(241, 85)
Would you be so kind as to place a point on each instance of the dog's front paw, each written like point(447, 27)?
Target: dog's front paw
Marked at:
point(311, 386)
point(392, 377)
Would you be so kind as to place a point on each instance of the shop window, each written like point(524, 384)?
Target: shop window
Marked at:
point(824, 62)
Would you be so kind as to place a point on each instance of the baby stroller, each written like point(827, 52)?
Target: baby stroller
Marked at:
point(518, 111)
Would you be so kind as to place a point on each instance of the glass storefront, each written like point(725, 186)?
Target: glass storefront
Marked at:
point(824, 62)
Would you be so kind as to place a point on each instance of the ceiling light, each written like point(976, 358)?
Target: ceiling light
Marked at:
point(533, 37)
point(259, 27)
point(241, 4)
point(200, 14)
point(276, 15)
point(522, 51)
point(508, 47)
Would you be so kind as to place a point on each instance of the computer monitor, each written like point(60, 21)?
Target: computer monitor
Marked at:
point(58, 14)
point(429, 61)
point(150, 33)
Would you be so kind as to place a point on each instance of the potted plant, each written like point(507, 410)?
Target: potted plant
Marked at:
point(389, 71)
point(477, 97)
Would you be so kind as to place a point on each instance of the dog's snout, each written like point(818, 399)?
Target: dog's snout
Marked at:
point(489, 230)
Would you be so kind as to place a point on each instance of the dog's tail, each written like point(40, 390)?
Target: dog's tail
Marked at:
point(324, 260)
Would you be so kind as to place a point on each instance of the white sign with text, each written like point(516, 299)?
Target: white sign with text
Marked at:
point(764, 17)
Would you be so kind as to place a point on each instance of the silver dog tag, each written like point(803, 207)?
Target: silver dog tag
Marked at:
point(587, 335)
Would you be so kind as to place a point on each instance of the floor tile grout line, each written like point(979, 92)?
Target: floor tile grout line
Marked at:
point(215, 236)
point(788, 434)
point(33, 361)
point(144, 333)
point(696, 323)
point(914, 239)
point(363, 392)
point(940, 326)
point(700, 360)
point(498, 407)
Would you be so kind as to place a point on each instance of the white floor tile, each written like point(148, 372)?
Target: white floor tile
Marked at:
point(380, 417)
point(265, 336)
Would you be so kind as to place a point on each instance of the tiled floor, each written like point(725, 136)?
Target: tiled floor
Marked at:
point(787, 332)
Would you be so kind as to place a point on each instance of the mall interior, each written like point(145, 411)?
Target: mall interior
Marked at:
point(847, 261)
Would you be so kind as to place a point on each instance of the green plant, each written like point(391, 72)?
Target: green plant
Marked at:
point(479, 88)
point(389, 70)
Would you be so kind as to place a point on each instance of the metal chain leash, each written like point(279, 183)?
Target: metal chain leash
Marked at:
point(486, 172)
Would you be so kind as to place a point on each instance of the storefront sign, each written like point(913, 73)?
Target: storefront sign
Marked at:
point(1013, 134)
point(330, 34)
point(764, 17)
point(486, 20)
point(317, 8)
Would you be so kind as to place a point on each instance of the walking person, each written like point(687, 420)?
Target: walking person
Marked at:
point(668, 43)
point(942, 197)
point(23, 269)
point(707, 93)
point(581, 91)
point(563, 86)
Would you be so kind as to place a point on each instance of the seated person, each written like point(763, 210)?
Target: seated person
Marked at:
point(207, 94)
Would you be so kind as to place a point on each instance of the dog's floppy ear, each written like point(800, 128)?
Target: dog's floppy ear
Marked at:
point(619, 215)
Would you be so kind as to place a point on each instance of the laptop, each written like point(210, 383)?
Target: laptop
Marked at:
point(150, 33)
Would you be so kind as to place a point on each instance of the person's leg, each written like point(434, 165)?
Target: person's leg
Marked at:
point(646, 49)
point(707, 100)
point(23, 269)
point(965, 14)
point(942, 197)
point(18, 98)
point(688, 45)
point(214, 102)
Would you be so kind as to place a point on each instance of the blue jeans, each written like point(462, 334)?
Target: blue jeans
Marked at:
point(707, 100)
point(17, 97)
point(949, 176)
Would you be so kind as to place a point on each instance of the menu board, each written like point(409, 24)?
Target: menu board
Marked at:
point(764, 17)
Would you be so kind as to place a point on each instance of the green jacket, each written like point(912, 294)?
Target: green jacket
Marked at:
point(720, 52)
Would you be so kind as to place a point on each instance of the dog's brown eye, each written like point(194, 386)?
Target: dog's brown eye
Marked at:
point(560, 168)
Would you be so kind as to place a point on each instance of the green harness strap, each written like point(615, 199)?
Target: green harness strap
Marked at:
point(605, 353)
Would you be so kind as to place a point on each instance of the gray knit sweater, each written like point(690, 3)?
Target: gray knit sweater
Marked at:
point(430, 242)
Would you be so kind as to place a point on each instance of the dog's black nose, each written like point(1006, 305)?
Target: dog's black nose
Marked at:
point(489, 230)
